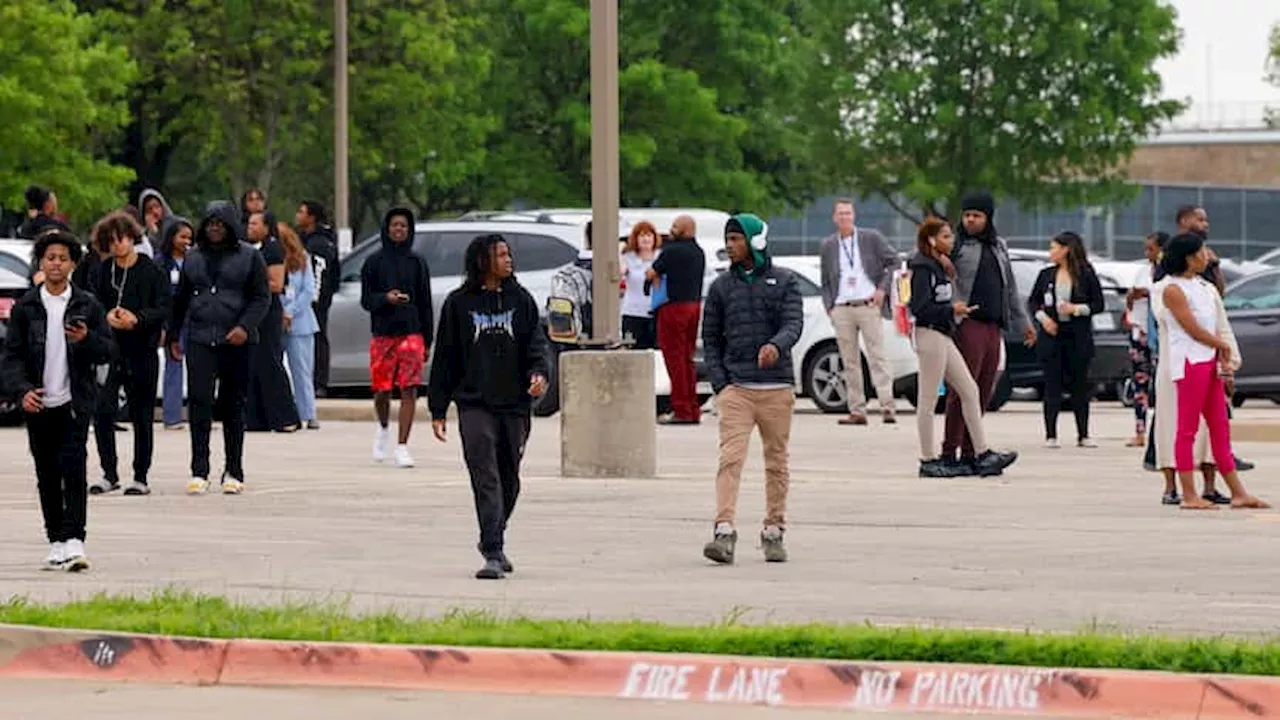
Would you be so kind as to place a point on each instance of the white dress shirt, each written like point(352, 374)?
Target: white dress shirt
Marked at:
point(855, 284)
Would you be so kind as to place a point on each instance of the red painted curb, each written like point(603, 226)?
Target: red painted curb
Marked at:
point(1034, 692)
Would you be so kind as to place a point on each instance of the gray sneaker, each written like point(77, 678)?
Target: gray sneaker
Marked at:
point(771, 542)
point(721, 547)
point(492, 570)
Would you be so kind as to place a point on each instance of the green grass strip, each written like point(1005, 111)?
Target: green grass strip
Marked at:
point(181, 613)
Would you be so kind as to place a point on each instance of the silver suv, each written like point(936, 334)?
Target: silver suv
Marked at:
point(539, 249)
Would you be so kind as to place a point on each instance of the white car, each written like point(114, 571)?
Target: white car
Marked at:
point(819, 372)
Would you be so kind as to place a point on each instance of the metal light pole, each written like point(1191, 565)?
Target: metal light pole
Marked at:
point(605, 186)
point(341, 189)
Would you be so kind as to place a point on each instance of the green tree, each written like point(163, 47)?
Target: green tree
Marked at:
point(708, 93)
point(62, 105)
point(1039, 101)
point(1273, 72)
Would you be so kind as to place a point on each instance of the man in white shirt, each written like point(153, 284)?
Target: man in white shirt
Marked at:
point(55, 357)
point(857, 267)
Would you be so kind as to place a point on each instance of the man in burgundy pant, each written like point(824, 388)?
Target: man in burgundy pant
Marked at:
point(984, 280)
point(681, 265)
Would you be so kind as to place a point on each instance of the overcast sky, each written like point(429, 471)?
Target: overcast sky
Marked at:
point(1223, 57)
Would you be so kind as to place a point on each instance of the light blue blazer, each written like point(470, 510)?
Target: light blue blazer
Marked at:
point(299, 293)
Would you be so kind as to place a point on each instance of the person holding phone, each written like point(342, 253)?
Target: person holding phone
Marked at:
point(56, 353)
point(936, 312)
point(221, 300)
point(395, 289)
point(136, 294)
point(491, 362)
point(1063, 301)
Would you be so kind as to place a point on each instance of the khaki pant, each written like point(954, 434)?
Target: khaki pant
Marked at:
point(741, 410)
point(850, 321)
point(939, 357)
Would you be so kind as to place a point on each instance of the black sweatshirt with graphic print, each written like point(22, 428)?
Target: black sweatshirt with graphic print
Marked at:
point(489, 345)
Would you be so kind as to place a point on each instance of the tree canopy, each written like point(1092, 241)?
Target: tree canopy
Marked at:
point(471, 104)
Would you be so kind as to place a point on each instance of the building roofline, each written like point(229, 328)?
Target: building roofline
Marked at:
point(1216, 137)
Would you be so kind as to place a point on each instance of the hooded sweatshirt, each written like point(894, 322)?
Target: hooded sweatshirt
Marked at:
point(322, 246)
point(150, 244)
point(397, 267)
point(489, 347)
point(221, 286)
point(747, 309)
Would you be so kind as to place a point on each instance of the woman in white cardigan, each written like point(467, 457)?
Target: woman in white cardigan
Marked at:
point(1166, 421)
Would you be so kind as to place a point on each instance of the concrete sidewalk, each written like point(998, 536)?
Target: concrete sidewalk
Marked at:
point(1069, 538)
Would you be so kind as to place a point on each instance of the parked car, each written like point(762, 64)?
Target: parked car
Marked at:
point(12, 287)
point(539, 250)
point(1111, 366)
point(15, 256)
point(1253, 307)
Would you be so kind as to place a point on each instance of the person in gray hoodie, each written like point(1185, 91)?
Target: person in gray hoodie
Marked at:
point(154, 210)
point(986, 284)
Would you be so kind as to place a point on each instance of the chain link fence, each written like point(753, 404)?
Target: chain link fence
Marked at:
point(1244, 223)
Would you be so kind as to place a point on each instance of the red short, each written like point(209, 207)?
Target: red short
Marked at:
point(396, 361)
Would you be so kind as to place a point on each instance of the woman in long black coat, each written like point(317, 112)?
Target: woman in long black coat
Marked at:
point(270, 404)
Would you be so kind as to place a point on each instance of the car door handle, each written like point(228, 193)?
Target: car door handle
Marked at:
point(1268, 320)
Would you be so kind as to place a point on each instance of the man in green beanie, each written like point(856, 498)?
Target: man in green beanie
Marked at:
point(754, 316)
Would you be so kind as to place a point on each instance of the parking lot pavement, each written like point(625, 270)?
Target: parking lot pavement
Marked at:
point(48, 701)
point(1068, 538)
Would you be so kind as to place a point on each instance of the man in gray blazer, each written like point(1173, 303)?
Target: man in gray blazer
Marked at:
point(857, 267)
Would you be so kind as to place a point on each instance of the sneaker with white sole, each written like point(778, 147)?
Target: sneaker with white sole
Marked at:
point(57, 556)
point(380, 442)
point(197, 486)
point(232, 486)
point(76, 560)
point(1052, 443)
point(103, 486)
point(403, 459)
point(137, 487)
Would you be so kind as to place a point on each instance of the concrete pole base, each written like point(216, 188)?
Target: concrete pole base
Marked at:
point(608, 423)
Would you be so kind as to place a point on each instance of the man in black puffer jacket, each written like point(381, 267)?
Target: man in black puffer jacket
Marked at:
point(754, 316)
point(222, 298)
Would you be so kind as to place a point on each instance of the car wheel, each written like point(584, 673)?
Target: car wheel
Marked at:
point(823, 380)
point(549, 403)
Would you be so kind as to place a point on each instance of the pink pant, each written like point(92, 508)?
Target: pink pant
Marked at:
point(1200, 392)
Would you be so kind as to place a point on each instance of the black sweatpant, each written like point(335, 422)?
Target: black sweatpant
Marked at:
point(493, 446)
point(1066, 369)
point(322, 350)
point(643, 329)
point(57, 437)
point(137, 373)
point(227, 368)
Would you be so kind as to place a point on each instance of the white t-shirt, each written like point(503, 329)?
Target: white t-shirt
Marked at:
point(57, 371)
point(1142, 306)
point(634, 302)
point(855, 285)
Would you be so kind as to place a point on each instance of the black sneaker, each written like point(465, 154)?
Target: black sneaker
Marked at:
point(1243, 465)
point(1216, 498)
point(964, 467)
point(991, 463)
point(1171, 498)
point(937, 468)
point(492, 570)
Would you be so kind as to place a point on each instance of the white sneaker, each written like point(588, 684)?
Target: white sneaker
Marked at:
point(403, 459)
point(232, 486)
point(197, 486)
point(102, 487)
point(380, 442)
point(1052, 443)
point(57, 556)
point(1086, 443)
point(75, 557)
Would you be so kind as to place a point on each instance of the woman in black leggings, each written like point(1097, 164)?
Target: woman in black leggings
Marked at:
point(1064, 300)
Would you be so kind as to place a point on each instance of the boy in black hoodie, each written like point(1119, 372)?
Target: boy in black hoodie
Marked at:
point(55, 358)
point(395, 288)
point(491, 361)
